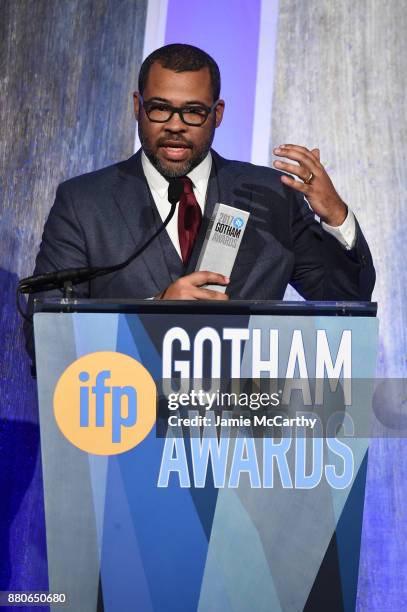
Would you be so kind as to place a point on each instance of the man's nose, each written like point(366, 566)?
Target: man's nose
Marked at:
point(175, 124)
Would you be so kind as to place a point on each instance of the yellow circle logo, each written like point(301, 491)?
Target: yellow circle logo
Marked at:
point(105, 403)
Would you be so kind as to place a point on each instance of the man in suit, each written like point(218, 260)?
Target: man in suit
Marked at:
point(100, 218)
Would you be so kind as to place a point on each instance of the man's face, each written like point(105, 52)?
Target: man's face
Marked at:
point(175, 148)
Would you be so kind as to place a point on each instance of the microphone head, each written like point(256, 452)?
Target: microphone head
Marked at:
point(175, 190)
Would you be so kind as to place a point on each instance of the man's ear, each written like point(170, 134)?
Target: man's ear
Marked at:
point(136, 101)
point(220, 107)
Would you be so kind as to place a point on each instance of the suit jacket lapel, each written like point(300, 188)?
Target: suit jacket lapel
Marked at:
point(135, 202)
point(222, 182)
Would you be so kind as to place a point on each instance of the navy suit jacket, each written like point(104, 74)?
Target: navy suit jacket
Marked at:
point(99, 219)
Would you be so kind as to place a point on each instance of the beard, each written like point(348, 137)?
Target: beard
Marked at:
point(175, 169)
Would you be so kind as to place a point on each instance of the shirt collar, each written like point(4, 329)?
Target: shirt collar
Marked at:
point(199, 175)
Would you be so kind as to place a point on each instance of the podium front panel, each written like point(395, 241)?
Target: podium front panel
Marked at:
point(239, 522)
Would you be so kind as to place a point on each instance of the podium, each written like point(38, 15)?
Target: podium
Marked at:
point(144, 513)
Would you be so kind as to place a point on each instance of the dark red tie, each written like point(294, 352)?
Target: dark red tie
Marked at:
point(189, 219)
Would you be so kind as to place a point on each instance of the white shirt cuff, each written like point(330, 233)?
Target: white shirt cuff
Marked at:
point(345, 233)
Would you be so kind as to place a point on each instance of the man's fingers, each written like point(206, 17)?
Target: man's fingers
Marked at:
point(301, 171)
point(190, 287)
point(299, 154)
point(293, 147)
point(303, 187)
point(204, 278)
point(201, 293)
point(308, 161)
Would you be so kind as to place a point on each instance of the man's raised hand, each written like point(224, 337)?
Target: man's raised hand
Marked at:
point(315, 183)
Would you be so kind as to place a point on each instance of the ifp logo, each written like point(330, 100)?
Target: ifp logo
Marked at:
point(105, 403)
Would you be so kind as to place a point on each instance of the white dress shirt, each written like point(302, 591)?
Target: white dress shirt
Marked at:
point(345, 233)
point(159, 189)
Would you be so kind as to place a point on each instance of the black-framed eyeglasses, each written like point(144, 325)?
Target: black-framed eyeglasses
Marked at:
point(161, 112)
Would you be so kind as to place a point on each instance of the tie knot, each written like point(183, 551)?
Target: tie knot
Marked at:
point(188, 186)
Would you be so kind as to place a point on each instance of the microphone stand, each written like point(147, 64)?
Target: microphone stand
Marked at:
point(65, 279)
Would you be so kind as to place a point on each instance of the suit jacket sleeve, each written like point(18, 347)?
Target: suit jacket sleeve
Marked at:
point(324, 269)
point(63, 245)
point(63, 242)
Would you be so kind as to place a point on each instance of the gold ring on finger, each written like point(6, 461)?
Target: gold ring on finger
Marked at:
point(309, 179)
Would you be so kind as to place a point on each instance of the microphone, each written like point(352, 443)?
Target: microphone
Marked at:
point(74, 276)
point(175, 191)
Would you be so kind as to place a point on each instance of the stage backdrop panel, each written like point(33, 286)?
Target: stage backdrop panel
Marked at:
point(340, 85)
point(67, 72)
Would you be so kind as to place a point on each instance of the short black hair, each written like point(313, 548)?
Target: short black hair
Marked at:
point(180, 58)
